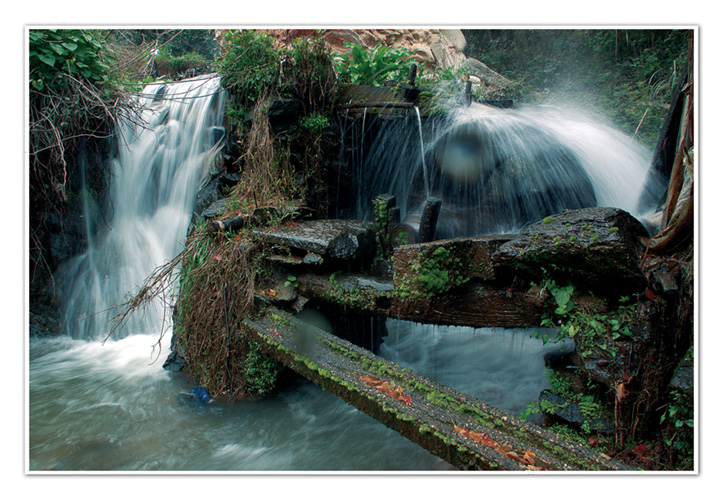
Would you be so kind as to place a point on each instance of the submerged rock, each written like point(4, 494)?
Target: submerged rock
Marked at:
point(596, 248)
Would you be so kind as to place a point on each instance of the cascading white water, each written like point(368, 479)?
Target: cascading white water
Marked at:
point(155, 177)
point(425, 175)
point(497, 170)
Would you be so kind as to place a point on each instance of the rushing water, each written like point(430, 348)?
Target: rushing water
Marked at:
point(155, 177)
point(497, 170)
point(96, 406)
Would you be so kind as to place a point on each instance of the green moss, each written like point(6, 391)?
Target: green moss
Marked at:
point(260, 371)
point(353, 298)
point(439, 272)
point(281, 321)
point(382, 222)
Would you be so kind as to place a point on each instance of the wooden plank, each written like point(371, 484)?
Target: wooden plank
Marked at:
point(471, 304)
point(467, 433)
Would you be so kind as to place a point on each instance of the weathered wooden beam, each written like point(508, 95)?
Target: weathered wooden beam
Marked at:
point(383, 207)
point(473, 304)
point(460, 429)
point(339, 239)
point(428, 221)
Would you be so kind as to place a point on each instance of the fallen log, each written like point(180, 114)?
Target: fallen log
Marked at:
point(232, 224)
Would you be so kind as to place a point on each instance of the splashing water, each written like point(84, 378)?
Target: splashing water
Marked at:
point(497, 170)
point(155, 177)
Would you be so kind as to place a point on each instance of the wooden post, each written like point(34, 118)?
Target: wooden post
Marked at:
point(428, 222)
point(384, 205)
point(412, 74)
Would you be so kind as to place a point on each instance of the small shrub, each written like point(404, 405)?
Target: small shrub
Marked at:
point(374, 66)
point(178, 66)
point(314, 123)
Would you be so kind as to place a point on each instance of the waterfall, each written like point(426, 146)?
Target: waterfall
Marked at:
point(155, 175)
point(425, 175)
point(497, 170)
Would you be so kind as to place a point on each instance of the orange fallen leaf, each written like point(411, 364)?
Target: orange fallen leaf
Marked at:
point(476, 436)
point(275, 332)
point(372, 381)
point(272, 292)
point(620, 391)
point(386, 386)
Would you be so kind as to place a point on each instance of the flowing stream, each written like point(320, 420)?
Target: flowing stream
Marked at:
point(110, 406)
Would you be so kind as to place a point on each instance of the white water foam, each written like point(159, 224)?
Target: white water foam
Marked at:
point(155, 177)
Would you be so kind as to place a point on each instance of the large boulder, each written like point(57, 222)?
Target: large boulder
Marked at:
point(596, 248)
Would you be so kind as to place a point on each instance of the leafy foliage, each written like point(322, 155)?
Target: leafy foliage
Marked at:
point(250, 65)
point(54, 52)
point(309, 75)
point(677, 423)
point(74, 90)
point(314, 123)
point(374, 66)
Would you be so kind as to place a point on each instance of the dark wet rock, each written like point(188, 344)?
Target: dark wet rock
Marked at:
point(228, 180)
point(453, 262)
point(286, 293)
point(44, 320)
point(312, 258)
point(684, 378)
point(174, 362)
point(558, 408)
point(664, 274)
point(215, 209)
point(558, 359)
point(595, 248)
point(604, 371)
point(338, 239)
point(284, 113)
point(206, 196)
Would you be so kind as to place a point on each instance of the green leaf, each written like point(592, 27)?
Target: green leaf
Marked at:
point(48, 59)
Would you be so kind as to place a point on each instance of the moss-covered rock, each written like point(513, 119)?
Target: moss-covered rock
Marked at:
point(595, 248)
